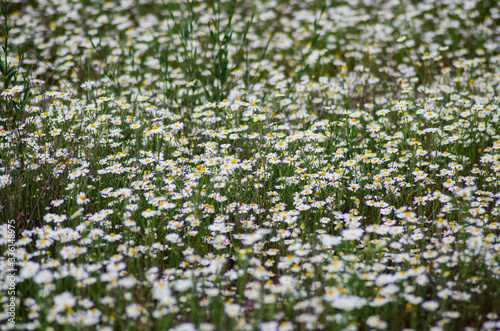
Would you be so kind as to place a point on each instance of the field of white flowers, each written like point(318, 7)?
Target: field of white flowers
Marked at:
point(250, 165)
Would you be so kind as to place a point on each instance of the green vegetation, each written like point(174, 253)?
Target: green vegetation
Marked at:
point(250, 165)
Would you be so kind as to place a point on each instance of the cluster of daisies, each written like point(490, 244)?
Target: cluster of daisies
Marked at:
point(257, 165)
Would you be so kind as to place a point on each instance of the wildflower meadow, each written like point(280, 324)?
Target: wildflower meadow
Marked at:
point(250, 165)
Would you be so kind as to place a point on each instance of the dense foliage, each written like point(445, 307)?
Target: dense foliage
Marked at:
point(253, 165)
